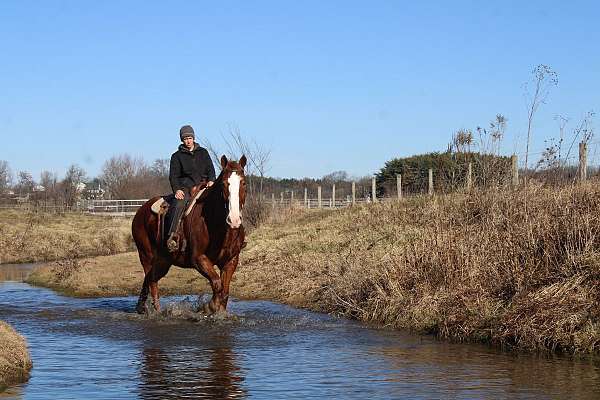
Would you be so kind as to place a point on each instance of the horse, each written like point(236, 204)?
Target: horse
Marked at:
point(213, 232)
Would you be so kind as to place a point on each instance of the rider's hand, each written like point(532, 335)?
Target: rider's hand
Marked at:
point(209, 184)
point(179, 195)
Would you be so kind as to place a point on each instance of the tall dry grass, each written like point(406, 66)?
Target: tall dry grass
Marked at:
point(516, 268)
point(15, 361)
point(29, 236)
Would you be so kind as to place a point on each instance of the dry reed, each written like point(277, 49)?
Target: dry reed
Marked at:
point(15, 362)
point(516, 268)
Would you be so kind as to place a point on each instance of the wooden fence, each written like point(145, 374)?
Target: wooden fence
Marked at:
point(288, 199)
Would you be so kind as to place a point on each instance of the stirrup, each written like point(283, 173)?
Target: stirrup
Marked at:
point(172, 244)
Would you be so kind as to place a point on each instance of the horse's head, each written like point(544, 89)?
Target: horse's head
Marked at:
point(234, 189)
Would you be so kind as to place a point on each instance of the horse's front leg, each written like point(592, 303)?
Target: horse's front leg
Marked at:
point(226, 275)
point(207, 269)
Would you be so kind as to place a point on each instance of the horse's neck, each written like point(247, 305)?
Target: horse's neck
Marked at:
point(215, 210)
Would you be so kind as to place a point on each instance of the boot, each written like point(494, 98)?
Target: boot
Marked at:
point(172, 244)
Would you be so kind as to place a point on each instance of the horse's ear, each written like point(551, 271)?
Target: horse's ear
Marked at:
point(243, 161)
point(223, 161)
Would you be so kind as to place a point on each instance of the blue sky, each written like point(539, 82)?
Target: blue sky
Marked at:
point(326, 85)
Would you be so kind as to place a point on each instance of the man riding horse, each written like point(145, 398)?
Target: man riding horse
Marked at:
point(191, 166)
point(212, 229)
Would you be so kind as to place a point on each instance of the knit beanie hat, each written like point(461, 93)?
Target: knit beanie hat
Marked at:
point(186, 131)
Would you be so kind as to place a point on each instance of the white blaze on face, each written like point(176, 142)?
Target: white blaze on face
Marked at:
point(234, 219)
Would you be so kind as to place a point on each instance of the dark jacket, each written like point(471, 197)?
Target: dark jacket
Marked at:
point(190, 168)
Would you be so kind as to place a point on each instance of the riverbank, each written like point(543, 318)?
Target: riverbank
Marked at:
point(15, 361)
point(518, 269)
point(106, 276)
point(31, 236)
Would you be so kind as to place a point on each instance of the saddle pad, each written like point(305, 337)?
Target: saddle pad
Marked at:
point(196, 197)
point(156, 206)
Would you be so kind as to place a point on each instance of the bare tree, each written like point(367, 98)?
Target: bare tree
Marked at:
point(258, 156)
point(73, 184)
point(5, 176)
point(49, 180)
point(25, 182)
point(119, 173)
point(127, 177)
point(536, 92)
point(159, 176)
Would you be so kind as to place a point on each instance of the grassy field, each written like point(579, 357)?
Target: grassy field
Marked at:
point(518, 269)
point(27, 236)
point(15, 362)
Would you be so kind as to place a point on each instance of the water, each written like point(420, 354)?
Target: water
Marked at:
point(100, 349)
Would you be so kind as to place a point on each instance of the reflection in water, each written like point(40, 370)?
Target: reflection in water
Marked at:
point(15, 272)
point(197, 374)
point(480, 371)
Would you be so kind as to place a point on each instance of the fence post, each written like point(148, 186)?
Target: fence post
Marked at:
point(292, 199)
point(515, 170)
point(582, 161)
point(430, 182)
point(333, 194)
point(306, 197)
point(273, 200)
point(319, 197)
point(469, 176)
point(281, 198)
point(399, 185)
point(373, 190)
point(353, 193)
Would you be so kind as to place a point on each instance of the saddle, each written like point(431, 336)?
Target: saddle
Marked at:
point(164, 208)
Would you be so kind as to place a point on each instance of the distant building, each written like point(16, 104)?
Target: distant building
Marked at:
point(91, 193)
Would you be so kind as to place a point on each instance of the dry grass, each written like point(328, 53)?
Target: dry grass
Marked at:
point(117, 275)
point(15, 362)
point(517, 268)
point(27, 236)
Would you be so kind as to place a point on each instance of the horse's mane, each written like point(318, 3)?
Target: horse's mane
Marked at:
point(210, 191)
point(217, 186)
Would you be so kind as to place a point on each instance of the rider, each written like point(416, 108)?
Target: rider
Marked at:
point(191, 165)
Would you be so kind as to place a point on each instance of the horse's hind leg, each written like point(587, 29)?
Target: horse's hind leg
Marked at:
point(140, 308)
point(159, 270)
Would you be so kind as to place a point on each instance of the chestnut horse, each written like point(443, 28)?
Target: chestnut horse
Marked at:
point(213, 231)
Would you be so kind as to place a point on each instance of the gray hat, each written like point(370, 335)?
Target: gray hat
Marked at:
point(186, 131)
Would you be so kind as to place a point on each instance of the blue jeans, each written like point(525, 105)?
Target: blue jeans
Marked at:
point(180, 206)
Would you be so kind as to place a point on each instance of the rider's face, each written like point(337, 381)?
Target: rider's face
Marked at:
point(188, 142)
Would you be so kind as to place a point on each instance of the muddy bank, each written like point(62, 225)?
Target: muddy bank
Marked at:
point(15, 361)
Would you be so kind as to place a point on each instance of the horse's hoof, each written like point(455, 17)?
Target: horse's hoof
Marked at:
point(141, 309)
point(210, 308)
